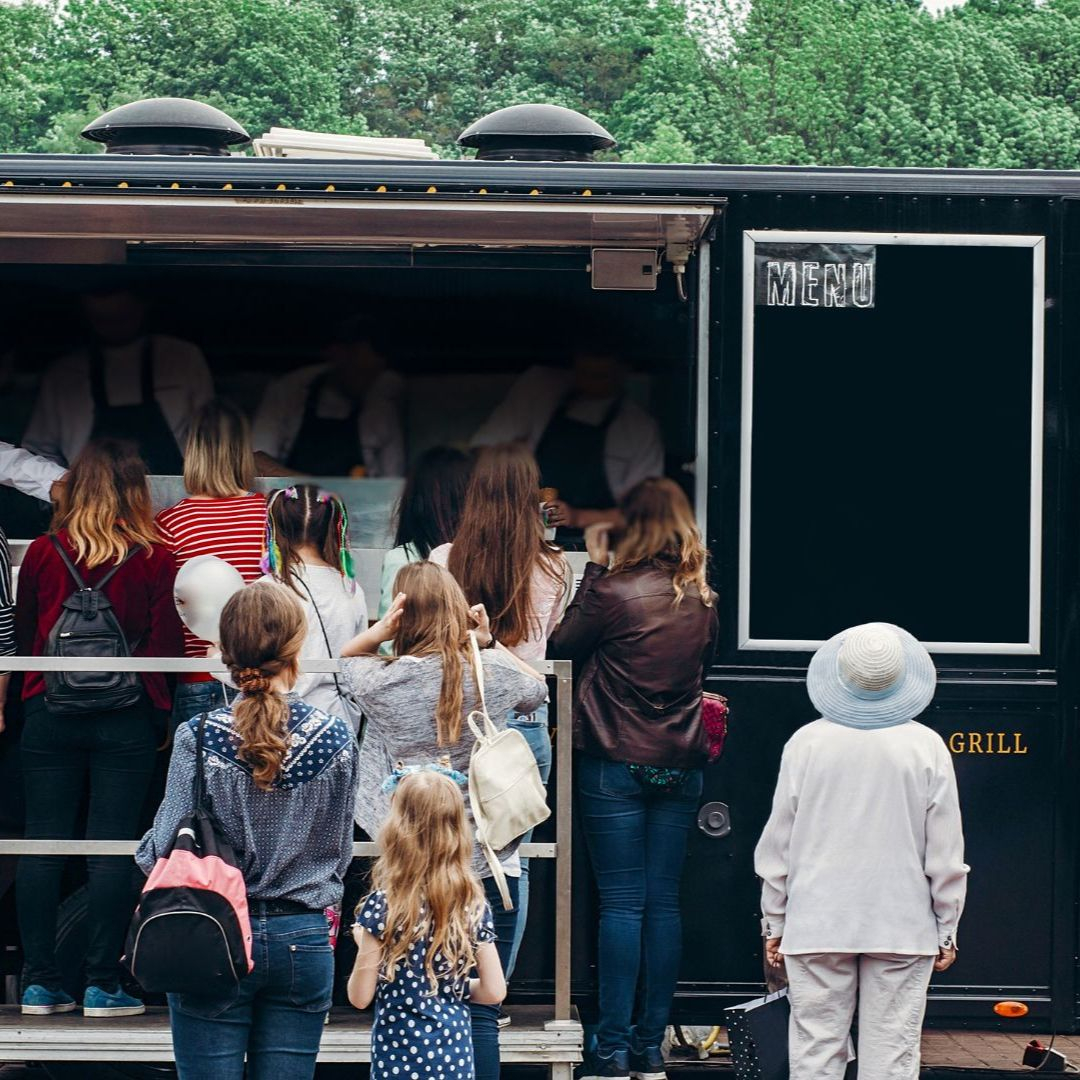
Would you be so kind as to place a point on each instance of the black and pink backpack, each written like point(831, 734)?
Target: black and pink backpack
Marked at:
point(191, 932)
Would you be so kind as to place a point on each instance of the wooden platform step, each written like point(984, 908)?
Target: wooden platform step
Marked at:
point(533, 1037)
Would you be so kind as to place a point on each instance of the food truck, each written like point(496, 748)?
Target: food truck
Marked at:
point(861, 377)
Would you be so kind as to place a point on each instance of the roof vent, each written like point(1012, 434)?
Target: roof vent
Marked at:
point(166, 126)
point(536, 133)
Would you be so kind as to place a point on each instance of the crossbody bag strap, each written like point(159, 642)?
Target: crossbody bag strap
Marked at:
point(322, 627)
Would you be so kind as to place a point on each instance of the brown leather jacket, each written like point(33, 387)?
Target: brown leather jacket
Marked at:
point(639, 663)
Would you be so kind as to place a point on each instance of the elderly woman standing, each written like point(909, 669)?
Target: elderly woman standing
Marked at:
point(862, 860)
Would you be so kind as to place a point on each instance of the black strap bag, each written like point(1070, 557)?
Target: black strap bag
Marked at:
point(88, 629)
point(191, 933)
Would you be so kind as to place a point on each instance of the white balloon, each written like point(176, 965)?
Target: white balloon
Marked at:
point(203, 587)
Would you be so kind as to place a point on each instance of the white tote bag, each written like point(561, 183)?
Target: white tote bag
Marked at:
point(506, 793)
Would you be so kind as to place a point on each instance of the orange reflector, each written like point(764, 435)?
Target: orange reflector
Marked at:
point(432, 190)
point(174, 186)
point(123, 183)
point(66, 183)
point(586, 192)
point(281, 187)
point(1011, 1009)
point(535, 191)
point(482, 191)
point(226, 187)
point(381, 188)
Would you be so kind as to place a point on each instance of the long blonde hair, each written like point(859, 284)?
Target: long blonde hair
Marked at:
point(262, 631)
point(661, 531)
point(500, 541)
point(105, 504)
point(435, 622)
point(218, 460)
point(426, 875)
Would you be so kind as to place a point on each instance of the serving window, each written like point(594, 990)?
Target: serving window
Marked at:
point(891, 459)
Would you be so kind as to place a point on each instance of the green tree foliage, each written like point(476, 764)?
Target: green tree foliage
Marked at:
point(995, 83)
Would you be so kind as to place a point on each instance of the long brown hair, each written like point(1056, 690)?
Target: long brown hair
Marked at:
point(262, 631)
point(661, 531)
point(435, 622)
point(218, 460)
point(425, 873)
point(105, 503)
point(500, 541)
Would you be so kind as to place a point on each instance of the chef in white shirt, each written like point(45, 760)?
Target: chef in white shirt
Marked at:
point(125, 383)
point(339, 417)
point(28, 473)
point(592, 443)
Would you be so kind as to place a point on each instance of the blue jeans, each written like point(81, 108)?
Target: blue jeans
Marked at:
point(535, 729)
point(275, 1016)
point(485, 1018)
point(193, 699)
point(637, 839)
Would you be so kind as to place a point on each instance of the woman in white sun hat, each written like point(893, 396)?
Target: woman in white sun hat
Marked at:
point(862, 860)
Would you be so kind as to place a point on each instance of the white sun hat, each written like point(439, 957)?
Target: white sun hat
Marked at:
point(871, 676)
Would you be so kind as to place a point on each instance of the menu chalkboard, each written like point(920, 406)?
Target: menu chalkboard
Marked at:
point(892, 446)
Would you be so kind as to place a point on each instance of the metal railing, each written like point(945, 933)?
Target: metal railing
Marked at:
point(560, 851)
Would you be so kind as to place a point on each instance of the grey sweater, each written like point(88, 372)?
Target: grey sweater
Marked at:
point(399, 698)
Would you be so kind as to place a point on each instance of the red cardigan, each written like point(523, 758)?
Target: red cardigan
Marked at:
point(141, 594)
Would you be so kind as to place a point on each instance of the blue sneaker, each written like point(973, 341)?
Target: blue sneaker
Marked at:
point(39, 1001)
point(98, 1002)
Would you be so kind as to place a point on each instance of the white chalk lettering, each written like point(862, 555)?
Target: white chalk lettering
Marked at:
point(862, 284)
point(835, 284)
point(780, 284)
point(810, 282)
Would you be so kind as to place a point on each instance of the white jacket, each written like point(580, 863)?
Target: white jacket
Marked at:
point(864, 849)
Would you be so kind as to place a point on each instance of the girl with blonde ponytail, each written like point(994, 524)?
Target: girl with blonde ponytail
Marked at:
point(281, 779)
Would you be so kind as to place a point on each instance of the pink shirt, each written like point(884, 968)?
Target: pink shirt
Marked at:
point(547, 599)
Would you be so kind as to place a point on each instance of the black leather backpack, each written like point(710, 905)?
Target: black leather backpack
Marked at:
point(88, 628)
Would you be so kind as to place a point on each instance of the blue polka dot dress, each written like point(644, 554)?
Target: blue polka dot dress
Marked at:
point(417, 1034)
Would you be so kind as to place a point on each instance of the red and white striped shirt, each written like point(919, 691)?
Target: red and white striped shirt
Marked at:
point(233, 529)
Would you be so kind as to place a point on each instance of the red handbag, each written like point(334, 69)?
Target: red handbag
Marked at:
point(714, 720)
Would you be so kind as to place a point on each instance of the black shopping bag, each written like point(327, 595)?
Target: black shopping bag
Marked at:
point(758, 1036)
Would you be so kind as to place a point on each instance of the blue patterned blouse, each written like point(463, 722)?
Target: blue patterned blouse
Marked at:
point(294, 842)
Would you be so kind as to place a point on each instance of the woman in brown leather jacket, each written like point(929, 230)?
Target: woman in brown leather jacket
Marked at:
point(642, 633)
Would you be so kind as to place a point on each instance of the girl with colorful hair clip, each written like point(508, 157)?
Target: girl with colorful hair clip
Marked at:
point(425, 936)
point(307, 551)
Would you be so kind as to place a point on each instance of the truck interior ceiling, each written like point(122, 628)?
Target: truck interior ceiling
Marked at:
point(458, 330)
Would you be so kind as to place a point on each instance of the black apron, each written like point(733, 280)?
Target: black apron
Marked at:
point(143, 423)
point(325, 446)
point(571, 458)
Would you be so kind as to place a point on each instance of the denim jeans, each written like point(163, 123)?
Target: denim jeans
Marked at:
point(113, 753)
point(535, 729)
point(637, 839)
point(275, 1016)
point(485, 1018)
point(193, 699)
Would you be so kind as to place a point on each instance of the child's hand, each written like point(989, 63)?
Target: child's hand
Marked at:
point(478, 614)
point(386, 627)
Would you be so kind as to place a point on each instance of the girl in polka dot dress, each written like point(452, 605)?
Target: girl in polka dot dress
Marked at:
point(425, 939)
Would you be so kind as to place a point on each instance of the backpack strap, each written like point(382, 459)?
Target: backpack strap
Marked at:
point(78, 578)
point(200, 768)
point(79, 583)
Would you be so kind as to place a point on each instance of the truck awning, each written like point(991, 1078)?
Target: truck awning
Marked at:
point(37, 222)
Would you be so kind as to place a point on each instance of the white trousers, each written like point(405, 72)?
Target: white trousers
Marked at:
point(891, 996)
